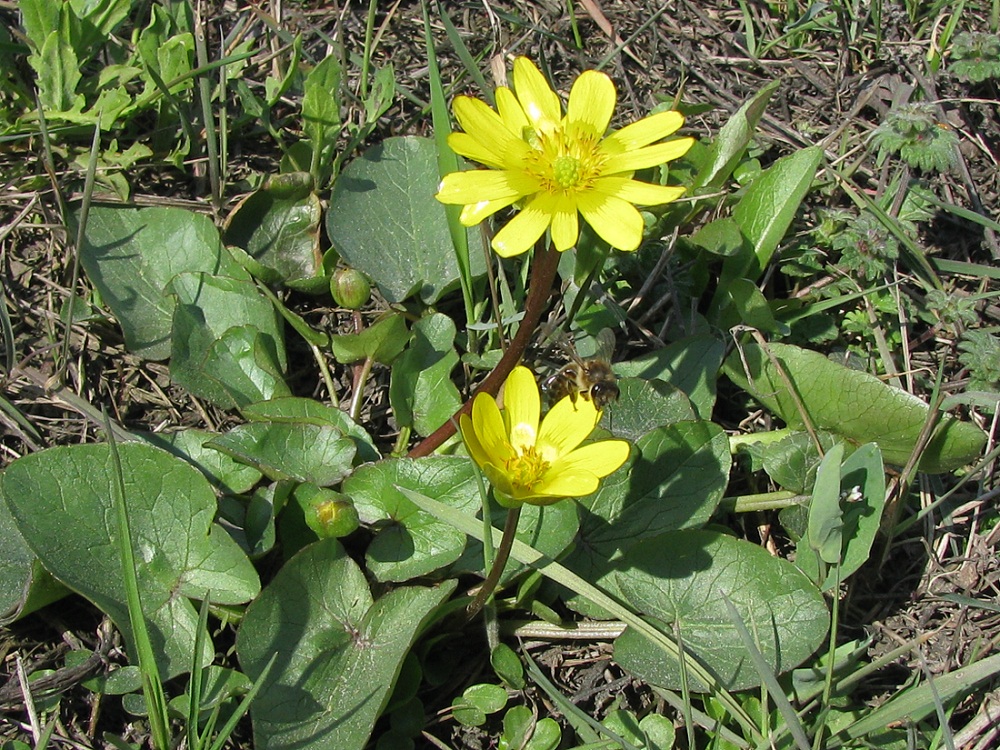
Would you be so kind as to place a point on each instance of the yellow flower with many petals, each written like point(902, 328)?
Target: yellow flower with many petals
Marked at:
point(558, 166)
point(539, 465)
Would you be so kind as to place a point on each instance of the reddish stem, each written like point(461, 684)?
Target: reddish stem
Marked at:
point(543, 274)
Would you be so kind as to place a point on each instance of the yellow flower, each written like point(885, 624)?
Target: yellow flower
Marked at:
point(539, 465)
point(558, 165)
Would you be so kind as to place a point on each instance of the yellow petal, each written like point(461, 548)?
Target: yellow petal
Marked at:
point(478, 185)
point(521, 232)
point(556, 486)
point(489, 428)
point(645, 131)
point(567, 424)
point(650, 156)
point(510, 111)
point(539, 101)
point(616, 221)
point(486, 126)
point(599, 459)
point(472, 444)
point(522, 406)
point(565, 226)
point(465, 145)
point(591, 102)
point(636, 192)
point(473, 213)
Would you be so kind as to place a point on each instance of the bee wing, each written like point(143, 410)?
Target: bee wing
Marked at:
point(605, 341)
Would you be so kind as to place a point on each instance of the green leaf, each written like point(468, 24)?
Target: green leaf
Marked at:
point(283, 450)
point(382, 342)
point(408, 541)
point(507, 666)
point(730, 145)
point(228, 342)
point(691, 364)
point(659, 732)
point(680, 580)
point(191, 445)
point(860, 498)
point(854, 405)
point(421, 391)
point(131, 255)
point(339, 652)
point(310, 411)
point(61, 499)
point(644, 405)
point(766, 210)
point(58, 72)
point(675, 479)
point(384, 220)
point(321, 102)
point(24, 584)
point(825, 526)
point(721, 237)
point(277, 227)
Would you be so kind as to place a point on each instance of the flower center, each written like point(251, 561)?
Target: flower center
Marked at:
point(566, 171)
point(564, 161)
point(527, 468)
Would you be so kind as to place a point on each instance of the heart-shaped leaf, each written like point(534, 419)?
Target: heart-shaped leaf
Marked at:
point(681, 580)
point(421, 391)
point(285, 450)
point(410, 542)
point(338, 651)
point(62, 500)
point(644, 405)
point(228, 342)
point(384, 220)
point(691, 364)
point(131, 255)
point(310, 411)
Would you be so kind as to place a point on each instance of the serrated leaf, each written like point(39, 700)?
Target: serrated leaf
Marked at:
point(131, 255)
point(384, 220)
point(681, 579)
point(854, 405)
point(62, 501)
point(338, 651)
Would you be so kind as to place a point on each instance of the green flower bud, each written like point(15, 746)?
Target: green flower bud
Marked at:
point(350, 288)
point(327, 513)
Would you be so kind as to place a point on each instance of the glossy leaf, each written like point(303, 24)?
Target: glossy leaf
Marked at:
point(691, 364)
point(410, 542)
point(680, 579)
point(421, 390)
point(310, 411)
point(277, 227)
point(339, 651)
point(228, 342)
point(286, 450)
point(382, 342)
point(384, 220)
point(854, 405)
point(62, 501)
point(131, 255)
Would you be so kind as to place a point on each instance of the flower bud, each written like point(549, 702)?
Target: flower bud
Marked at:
point(350, 288)
point(327, 513)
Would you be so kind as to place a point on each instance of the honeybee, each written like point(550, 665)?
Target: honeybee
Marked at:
point(591, 378)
